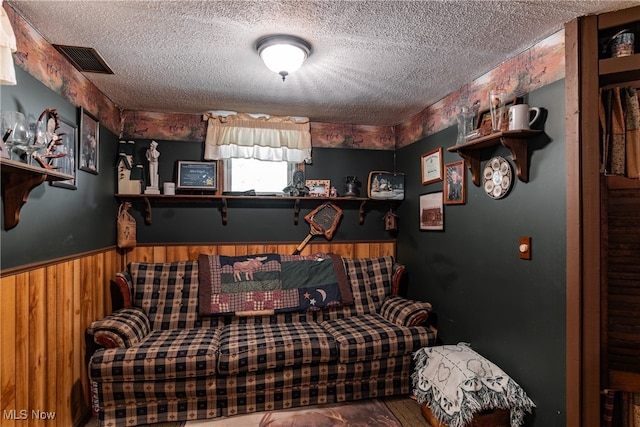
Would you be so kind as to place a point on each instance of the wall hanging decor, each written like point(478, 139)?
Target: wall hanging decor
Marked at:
point(431, 211)
point(455, 184)
point(89, 142)
point(431, 166)
point(498, 177)
point(385, 185)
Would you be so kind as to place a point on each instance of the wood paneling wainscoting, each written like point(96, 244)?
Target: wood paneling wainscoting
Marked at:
point(171, 253)
point(45, 309)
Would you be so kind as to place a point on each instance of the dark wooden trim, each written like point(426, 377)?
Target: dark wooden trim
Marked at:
point(590, 205)
point(573, 319)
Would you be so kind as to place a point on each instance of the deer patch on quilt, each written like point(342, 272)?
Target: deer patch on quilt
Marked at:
point(270, 283)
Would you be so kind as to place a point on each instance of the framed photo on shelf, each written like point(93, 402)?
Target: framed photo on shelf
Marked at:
point(319, 187)
point(88, 155)
point(431, 166)
point(196, 175)
point(431, 212)
point(68, 132)
point(455, 192)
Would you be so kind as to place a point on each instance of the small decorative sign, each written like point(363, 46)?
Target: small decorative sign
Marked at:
point(197, 176)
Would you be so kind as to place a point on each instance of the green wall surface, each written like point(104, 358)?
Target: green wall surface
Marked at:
point(56, 222)
point(512, 311)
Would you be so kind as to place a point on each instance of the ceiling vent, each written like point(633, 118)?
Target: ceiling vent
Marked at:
point(85, 59)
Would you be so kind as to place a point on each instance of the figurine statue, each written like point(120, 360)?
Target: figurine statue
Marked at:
point(297, 186)
point(152, 157)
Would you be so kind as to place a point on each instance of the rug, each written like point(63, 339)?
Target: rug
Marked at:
point(364, 413)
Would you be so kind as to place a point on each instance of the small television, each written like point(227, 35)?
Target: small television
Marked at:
point(199, 176)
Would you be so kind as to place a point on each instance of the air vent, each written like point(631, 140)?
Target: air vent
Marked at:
point(85, 59)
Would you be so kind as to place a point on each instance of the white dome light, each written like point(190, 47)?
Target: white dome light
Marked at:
point(283, 54)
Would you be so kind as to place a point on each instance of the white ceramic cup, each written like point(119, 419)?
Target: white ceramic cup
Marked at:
point(169, 188)
point(520, 116)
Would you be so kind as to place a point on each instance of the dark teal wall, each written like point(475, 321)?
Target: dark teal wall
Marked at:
point(260, 220)
point(57, 222)
point(512, 311)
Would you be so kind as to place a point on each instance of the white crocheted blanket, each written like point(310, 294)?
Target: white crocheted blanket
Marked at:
point(456, 382)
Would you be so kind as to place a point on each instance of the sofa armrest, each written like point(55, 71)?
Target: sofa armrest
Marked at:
point(398, 271)
point(405, 312)
point(121, 291)
point(123, 328)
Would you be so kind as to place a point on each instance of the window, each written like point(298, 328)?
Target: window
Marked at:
point(262, 176)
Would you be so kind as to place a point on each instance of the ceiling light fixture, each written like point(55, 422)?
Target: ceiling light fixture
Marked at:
point(283, 54)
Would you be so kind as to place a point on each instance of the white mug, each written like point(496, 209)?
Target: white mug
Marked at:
point(169, 188)
point(520, 116)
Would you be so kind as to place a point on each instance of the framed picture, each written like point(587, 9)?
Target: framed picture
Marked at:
point(68, 132)
point(431, 211)
point(318, 187)
point(89, 152)
point(385, 185)
point(194, 175)
point(455, 192)
point(431, 166)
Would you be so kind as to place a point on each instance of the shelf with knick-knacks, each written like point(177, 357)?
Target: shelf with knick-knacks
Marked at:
point(517, 141)
point(223, 201)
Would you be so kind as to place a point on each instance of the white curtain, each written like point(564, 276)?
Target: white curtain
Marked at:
point(264, 138)
point(7, 47)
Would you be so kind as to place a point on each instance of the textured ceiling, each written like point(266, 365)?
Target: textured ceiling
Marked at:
point(372, 62)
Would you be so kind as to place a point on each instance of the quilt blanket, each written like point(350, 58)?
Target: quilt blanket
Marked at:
point(270, 283)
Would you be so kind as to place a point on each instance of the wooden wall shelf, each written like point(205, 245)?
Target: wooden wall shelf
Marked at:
point(515, 140)
point(619, 70)
point(259, 201)
point(18, 179)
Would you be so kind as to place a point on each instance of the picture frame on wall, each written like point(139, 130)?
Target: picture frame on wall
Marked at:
point(455, 185)
point(385, 185)
point(68, 132)
point(89, 152)
point(431, 166)
point(318, 187)
point(431, 211)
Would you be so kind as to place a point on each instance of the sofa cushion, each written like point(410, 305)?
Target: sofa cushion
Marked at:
point(371, 280)
point(175, 353)
point(371, 337)
point(168, 293)
point(250, 347)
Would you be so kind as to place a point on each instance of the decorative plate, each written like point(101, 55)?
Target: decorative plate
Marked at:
point(497, 176)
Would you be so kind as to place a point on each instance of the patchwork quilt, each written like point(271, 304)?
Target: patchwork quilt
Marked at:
point(270, 283)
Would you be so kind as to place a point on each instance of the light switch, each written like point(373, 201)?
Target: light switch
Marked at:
point(525, 247)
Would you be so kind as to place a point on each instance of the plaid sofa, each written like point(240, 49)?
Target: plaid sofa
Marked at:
point(159, 361)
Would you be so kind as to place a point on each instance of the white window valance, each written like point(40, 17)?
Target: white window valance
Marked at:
point(271, 138)
point(7, 47)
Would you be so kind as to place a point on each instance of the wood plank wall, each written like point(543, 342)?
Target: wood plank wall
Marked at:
point(191, 252)
point(45, 310)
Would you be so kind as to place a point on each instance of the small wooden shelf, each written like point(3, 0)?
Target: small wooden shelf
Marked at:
point(515, 140)
point(223, 202)
point(619, 70)
point(18, 179)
